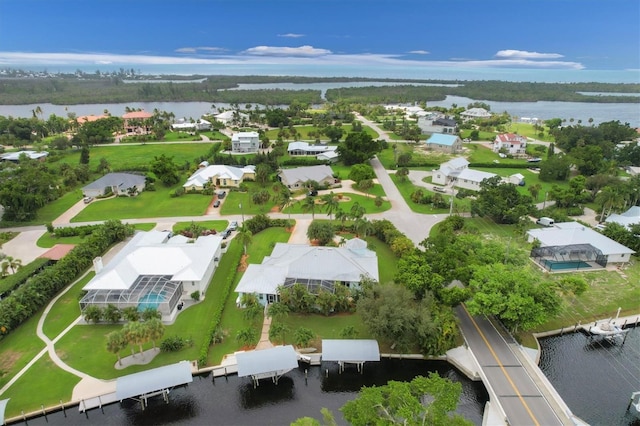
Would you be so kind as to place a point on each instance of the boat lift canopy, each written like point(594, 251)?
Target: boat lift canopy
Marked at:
point(267, 363)
point(3, 405)
point(156, 381)
point(352, 351)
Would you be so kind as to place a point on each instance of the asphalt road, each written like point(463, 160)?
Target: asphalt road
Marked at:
point(519, 396)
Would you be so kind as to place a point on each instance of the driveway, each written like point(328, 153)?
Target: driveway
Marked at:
point(24, 246)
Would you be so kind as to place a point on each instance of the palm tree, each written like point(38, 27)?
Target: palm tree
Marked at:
point(278, 310)
point(608, 196)
point(246, 336)
point(278, 330)
point(357, 211)
point(12, 264)
point(309, 204)
point(116, 342)
point(244, 237)
point(342, 216)
point(155, 330)
point(331, 203)
point(363, 227)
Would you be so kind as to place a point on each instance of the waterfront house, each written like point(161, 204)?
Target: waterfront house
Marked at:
point(510, 143)
point(137, 122)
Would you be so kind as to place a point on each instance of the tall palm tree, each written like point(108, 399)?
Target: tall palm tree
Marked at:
point(12, 264)
point(342, 216)
point(155, 330)
point(309, 204)
point(244, 237)
point(331, 203)
point(116, 342)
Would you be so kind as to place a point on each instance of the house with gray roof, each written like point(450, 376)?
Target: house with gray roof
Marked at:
point(118, 183)
point(573, 241)
point(312, 266)
point(471, 179)
point(449, 171)
point(429, 124)
point(296, 178)
point(626, 219)
point(14, 157)
point(444, 143)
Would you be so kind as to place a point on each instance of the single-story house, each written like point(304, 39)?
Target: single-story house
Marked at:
point(313, 266)
point(229, 117)
point(244, 142)
point(328, 157)
point(573, 242)
point(119, 183)
point(474, 113)
point(187, 126)
point(511, 143)
point(471, 179)
point(219, 175)
point(626, 219)
point(135, 122)
point(296, 178)
point(154, 270)
point(449, 171)
point(303, 148)
point(14, 157)
point(437, 124)
point(446, 143)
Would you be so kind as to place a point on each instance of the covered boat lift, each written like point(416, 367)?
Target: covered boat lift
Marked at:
point(158, 381)
point(267, 363)
point(3, 406)
point(350, 351)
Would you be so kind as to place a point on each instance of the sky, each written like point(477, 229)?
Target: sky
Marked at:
point(536, 34)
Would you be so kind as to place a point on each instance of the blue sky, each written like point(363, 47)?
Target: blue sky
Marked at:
point(554, 34)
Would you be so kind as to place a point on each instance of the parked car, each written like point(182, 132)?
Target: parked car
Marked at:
point(439, 189)
point(313, 193)
point(222, 194)
point(87, 200)
point(233, 225)
point(216, 203)
point(225, 234)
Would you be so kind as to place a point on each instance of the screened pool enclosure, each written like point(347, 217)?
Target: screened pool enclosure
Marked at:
point(569, 257)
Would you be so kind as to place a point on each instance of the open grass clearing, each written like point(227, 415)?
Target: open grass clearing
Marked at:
point(66, 309)
point(18, 348)
point(144, 205)
point(346, 203)
point(407, 188)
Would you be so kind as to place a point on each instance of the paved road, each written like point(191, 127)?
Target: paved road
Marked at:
point(505, 376)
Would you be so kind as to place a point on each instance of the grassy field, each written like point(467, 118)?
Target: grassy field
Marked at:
point(406, 188)
point(146, 204)
point(348, 200)
point(133, 156)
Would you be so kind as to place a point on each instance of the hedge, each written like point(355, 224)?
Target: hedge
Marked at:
point(11, 282)
point(217, 315)
point(30, 297)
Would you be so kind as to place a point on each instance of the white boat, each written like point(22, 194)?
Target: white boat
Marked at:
point(606, 329)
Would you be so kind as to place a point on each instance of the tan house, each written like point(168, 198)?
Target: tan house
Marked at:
point(135, 122)
point(296, 178)
point(219, 175)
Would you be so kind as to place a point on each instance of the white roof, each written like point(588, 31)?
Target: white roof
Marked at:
point(456, 163)
point(150, 253)
point(329, 155)
point(628, 218)
point(303, 261)
point(476, 112)
point(350, 350)
point(304, 146)
point(228, 115)
point(156, 379)
point(569, 233)
point(15, 156)
point(475, 175)
point(204, 175)
point(244, 135)
point(273, 360)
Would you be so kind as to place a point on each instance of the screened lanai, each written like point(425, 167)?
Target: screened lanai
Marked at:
point(148, 291)
point(569, 257)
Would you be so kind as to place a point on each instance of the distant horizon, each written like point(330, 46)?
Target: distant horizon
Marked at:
point(479, 39)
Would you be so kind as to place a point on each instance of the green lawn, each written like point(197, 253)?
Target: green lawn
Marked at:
point(133, 157)
point(407, 188)
point(482, 154)
point(18, 348)
point(262, 243)
point(530, 178)
point(348, 200)
point(324, 327)
point(47, 240)
point(66, 309)
point(235, 199)
point(147, 204)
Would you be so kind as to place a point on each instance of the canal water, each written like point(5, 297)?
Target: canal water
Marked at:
point(594, 376)
point(234, 401)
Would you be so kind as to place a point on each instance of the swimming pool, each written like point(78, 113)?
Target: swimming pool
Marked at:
point(150, 300)
point(559, 265)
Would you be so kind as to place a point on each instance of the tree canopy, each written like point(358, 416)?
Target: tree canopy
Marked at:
point(501, 201)
point(358, 147)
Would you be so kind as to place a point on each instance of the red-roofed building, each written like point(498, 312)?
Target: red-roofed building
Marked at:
point(510, 143)
point(58, 251)
point(135, 122)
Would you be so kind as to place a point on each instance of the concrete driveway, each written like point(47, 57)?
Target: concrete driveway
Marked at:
point(24, 246)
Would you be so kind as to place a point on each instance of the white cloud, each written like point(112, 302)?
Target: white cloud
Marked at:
point(291, 35)
point(523, 54)
point(266, 55)
point(199, 49)
point(419, 52)
point(286, 51)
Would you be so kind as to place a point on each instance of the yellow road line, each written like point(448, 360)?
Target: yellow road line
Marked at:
point(495, 356)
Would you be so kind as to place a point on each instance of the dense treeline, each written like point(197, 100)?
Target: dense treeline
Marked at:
point(113, 89)
point(501, 91)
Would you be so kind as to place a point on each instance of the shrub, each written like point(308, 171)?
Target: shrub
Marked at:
point(196, 295)
point(173, 344)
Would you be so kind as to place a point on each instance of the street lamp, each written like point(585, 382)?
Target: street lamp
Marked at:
point(241, 212)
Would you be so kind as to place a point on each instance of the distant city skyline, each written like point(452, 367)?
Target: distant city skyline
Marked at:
point(524, 34)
